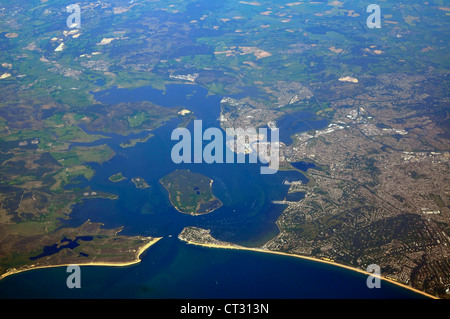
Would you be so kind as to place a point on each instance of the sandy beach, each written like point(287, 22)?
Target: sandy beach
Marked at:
point(237, 247)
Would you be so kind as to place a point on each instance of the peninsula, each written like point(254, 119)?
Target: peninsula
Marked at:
point(87, 245)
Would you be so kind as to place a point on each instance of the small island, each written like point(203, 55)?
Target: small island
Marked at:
point(117, 178)
point(139, 182)
point(190, 193)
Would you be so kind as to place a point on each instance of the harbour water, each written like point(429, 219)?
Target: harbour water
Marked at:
point(174, 269)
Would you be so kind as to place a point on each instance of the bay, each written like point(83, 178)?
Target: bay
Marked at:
point(171, 268)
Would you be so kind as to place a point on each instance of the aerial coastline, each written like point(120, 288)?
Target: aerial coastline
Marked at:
point(87, 131)
point(225, 245)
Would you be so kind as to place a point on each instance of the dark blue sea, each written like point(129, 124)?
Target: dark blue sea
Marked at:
point(174, 269)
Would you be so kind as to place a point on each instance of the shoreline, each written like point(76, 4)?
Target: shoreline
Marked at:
point(137, 260)
point(142, 249)
point(261, 250)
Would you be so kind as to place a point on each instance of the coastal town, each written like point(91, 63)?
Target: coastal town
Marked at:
point(378, 192)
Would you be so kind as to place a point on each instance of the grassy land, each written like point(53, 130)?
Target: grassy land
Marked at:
point(80, 155)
